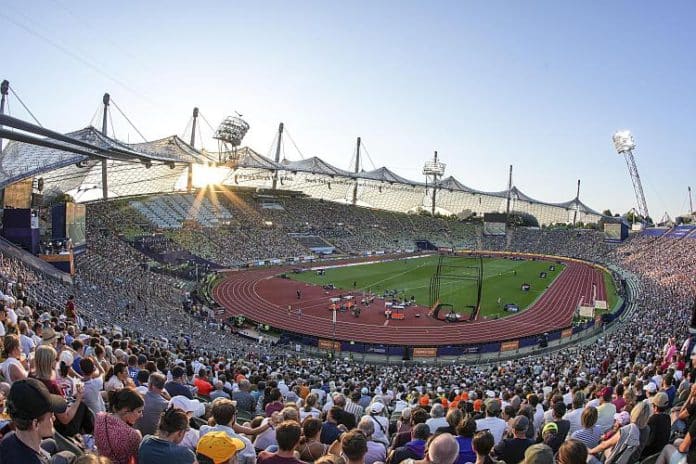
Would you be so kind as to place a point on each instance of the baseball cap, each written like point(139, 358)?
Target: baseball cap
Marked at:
point(29, 399)
point(219, 446)
point(364, 391)
point(650, 387)
point(66, 357)
point(520, 423)
point(187, 405)
point(622, 418)
point(377, 408)
point(661, 400)
point(550, 427)
point(538, 454)
point(606, 392)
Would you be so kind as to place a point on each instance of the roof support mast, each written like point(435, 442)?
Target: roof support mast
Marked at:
point(105, 185)
point(691, 203)
point(277, 153)
point(509, 195)
point(577, 204)
point(357, 167)
point(189, 175)
point(4, 89)
point(434, 187)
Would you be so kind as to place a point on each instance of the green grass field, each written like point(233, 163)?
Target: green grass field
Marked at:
point(411, 277)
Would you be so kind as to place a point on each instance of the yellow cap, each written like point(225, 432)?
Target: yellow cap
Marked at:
point(219, 446)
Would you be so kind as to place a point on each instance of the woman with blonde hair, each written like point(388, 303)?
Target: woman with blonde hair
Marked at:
point(12, 367)
point(76, 418)
point(309, 408)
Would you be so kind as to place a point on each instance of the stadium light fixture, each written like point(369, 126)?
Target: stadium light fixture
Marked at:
point(623, 142)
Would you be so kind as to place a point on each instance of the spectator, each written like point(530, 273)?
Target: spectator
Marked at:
point(155, 404)
point(192, 408)
point(511, 450)
point(245, 401)
point(330, 431)
point(177, 386)
point(311, 448)
point(483, 444)
point(572, 452)
point(93, 380)
point(574, 415)
point(166, 445)
point(288, 435)
point(114, 434)
point(605, 410)
point(225, 414)
point(538, 454)
point(415, 448)
point(218, 448)
point(381, 434)
point(631, 438)
point(492, 422)
point(561, 429)
point(660, 425)
point(437, 418)
point(12, 367)
point(31, 408)
point(590, 434)
point(465, 434)
point(376, 451)
point(219, 391)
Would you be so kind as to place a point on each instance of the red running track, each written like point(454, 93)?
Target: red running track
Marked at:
point(262, 297)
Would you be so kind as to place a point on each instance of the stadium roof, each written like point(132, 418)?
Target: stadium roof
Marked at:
point(245, 157)
point(385, 175)
point(71, 161)
point(174, 148)
point(315, 165)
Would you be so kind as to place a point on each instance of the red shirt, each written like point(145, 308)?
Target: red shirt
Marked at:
point(204, 387)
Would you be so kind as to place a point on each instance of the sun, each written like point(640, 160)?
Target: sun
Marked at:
point(208, 175)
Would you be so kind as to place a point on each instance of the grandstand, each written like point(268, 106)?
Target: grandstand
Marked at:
point(146, 285)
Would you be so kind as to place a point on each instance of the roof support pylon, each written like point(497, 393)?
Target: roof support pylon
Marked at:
point(105, 179)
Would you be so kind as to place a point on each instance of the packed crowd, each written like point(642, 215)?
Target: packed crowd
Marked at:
point(125, 372)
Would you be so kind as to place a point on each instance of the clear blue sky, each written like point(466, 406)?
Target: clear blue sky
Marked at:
point(540, 85)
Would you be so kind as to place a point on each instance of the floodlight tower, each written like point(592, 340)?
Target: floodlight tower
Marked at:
point(624, 144)
point(229, 135)
point(433, 170)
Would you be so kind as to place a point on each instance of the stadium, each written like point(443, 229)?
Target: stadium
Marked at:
point(235, 267)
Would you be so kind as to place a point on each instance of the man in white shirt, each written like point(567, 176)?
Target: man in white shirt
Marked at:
point(605, 410)
point(437, 418)
point(492, 422)
point(574, 415)
point(225, 414)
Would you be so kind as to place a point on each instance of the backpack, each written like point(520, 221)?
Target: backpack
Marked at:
point(625, 453)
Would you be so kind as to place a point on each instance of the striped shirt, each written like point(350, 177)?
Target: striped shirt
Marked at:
point(590, 437)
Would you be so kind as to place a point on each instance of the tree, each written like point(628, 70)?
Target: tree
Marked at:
point(607, 212)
